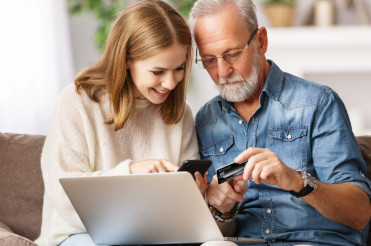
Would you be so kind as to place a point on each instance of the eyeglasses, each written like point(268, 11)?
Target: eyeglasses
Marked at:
point(230, 57)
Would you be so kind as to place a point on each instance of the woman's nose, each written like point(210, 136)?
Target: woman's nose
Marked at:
point(170, 82)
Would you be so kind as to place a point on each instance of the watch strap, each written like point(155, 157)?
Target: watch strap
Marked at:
point(309, 185)
point(303, 192)
point(224, 217)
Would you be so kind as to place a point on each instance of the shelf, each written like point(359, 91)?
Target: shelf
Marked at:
point(304, 50)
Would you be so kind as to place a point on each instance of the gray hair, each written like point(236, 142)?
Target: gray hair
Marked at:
point(209, 7)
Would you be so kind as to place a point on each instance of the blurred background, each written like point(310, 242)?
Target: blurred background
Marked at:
point(44, 44)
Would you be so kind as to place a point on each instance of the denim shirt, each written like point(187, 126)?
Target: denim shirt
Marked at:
point(307, 126)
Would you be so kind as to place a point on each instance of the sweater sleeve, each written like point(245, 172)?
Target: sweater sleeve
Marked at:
point(189, 147)
point(67, 149)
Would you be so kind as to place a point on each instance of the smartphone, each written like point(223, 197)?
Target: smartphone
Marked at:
point(195, 165)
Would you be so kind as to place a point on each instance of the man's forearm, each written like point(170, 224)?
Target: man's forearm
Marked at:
point(343, 203)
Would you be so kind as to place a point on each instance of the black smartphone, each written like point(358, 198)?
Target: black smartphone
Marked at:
point(195, 165)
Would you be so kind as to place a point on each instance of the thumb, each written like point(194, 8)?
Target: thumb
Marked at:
point(240, 186)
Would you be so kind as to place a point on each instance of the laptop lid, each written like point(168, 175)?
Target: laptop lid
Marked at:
point(161, 208)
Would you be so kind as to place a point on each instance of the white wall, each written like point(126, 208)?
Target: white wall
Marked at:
point(85, 53)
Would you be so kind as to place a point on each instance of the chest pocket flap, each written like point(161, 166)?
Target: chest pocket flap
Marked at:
point(288, 134)
point(219, 147)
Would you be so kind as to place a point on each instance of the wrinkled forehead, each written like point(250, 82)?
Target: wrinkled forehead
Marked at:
point(225, 28)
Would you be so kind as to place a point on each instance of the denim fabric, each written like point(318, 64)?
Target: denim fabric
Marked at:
point(307, 126)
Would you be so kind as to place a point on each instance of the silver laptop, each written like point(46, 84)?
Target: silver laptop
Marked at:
point(162, 208)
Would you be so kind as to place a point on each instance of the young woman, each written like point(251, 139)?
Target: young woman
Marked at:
point(124, 115)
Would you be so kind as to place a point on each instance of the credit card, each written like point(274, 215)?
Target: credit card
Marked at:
point(230, 171)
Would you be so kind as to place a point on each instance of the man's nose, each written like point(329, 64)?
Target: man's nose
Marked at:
point(224, 68)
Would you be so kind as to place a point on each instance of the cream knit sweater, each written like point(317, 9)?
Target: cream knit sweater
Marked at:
point(80, 144)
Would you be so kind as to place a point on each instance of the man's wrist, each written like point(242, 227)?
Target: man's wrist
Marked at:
point(299, 182)
point(308, 186)
point(224, 217)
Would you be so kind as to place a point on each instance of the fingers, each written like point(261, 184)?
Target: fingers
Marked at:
point(205, 177)
point(247, 154)
point(256, 173)
point(201, 182)
point(239, 186)
point(152, 166)
point(160, 167)
point(226, 191)
point(169, 166)
point(217, 198)
point(258, 159)
point(254, 155)
point(263, 165)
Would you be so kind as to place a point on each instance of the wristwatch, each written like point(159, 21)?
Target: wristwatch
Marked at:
point(224, 217)
point(309, 185)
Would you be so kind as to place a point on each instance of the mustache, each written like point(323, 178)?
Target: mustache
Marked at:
point(233, 79)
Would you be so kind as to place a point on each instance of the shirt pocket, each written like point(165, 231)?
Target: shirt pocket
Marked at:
point(219, 151)
point(290, 146)
point(218, 147)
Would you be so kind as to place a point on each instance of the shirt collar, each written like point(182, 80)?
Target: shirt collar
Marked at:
point(273, 84)
point(224, 104)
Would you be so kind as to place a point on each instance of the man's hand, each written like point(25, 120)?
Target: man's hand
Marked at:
point(224, 196)
point(153, 166)
point(264, 166)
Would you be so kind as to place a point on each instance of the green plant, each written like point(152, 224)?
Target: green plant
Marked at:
point(184, 6)
point(105, 11)
point(288, 2)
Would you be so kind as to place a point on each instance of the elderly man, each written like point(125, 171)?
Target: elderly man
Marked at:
point(304, 181)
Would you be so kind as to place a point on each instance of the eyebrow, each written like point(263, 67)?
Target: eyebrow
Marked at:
point(159, 68)
point(162, 68)
point(224, 52)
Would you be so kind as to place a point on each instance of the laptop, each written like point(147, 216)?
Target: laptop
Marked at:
point(159, 208)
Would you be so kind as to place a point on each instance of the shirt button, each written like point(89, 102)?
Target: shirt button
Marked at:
point(240, 122)
point(289, 136)
point(362, 174)
point(221, 149)
point(267, 231)
point(269, 211)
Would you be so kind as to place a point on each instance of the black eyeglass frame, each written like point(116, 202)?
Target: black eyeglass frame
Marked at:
point(222, 56)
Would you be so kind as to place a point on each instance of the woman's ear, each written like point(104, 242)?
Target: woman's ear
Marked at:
point(128, 64)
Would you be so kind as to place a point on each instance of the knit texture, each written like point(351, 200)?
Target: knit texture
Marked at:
point(81, 144)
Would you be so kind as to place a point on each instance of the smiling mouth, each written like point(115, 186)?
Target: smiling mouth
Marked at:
point(161, 93)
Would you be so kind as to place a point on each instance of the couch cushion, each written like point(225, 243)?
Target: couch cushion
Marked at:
point(9, 238)
point(21, 183)
point(364, 143)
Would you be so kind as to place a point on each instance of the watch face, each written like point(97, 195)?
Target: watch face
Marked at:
point(309, 185)
point(309, 180)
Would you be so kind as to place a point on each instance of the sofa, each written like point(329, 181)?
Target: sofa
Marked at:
point(21, 186)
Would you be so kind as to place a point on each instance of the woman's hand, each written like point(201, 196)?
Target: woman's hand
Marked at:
point(201, 182)
point(152, 166)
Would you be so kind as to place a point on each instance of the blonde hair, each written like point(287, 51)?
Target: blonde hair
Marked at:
point(140, 31)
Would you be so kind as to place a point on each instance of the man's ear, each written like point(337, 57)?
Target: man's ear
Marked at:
point(262, 38)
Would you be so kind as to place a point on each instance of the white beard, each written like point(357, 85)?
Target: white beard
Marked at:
point(245, 88)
